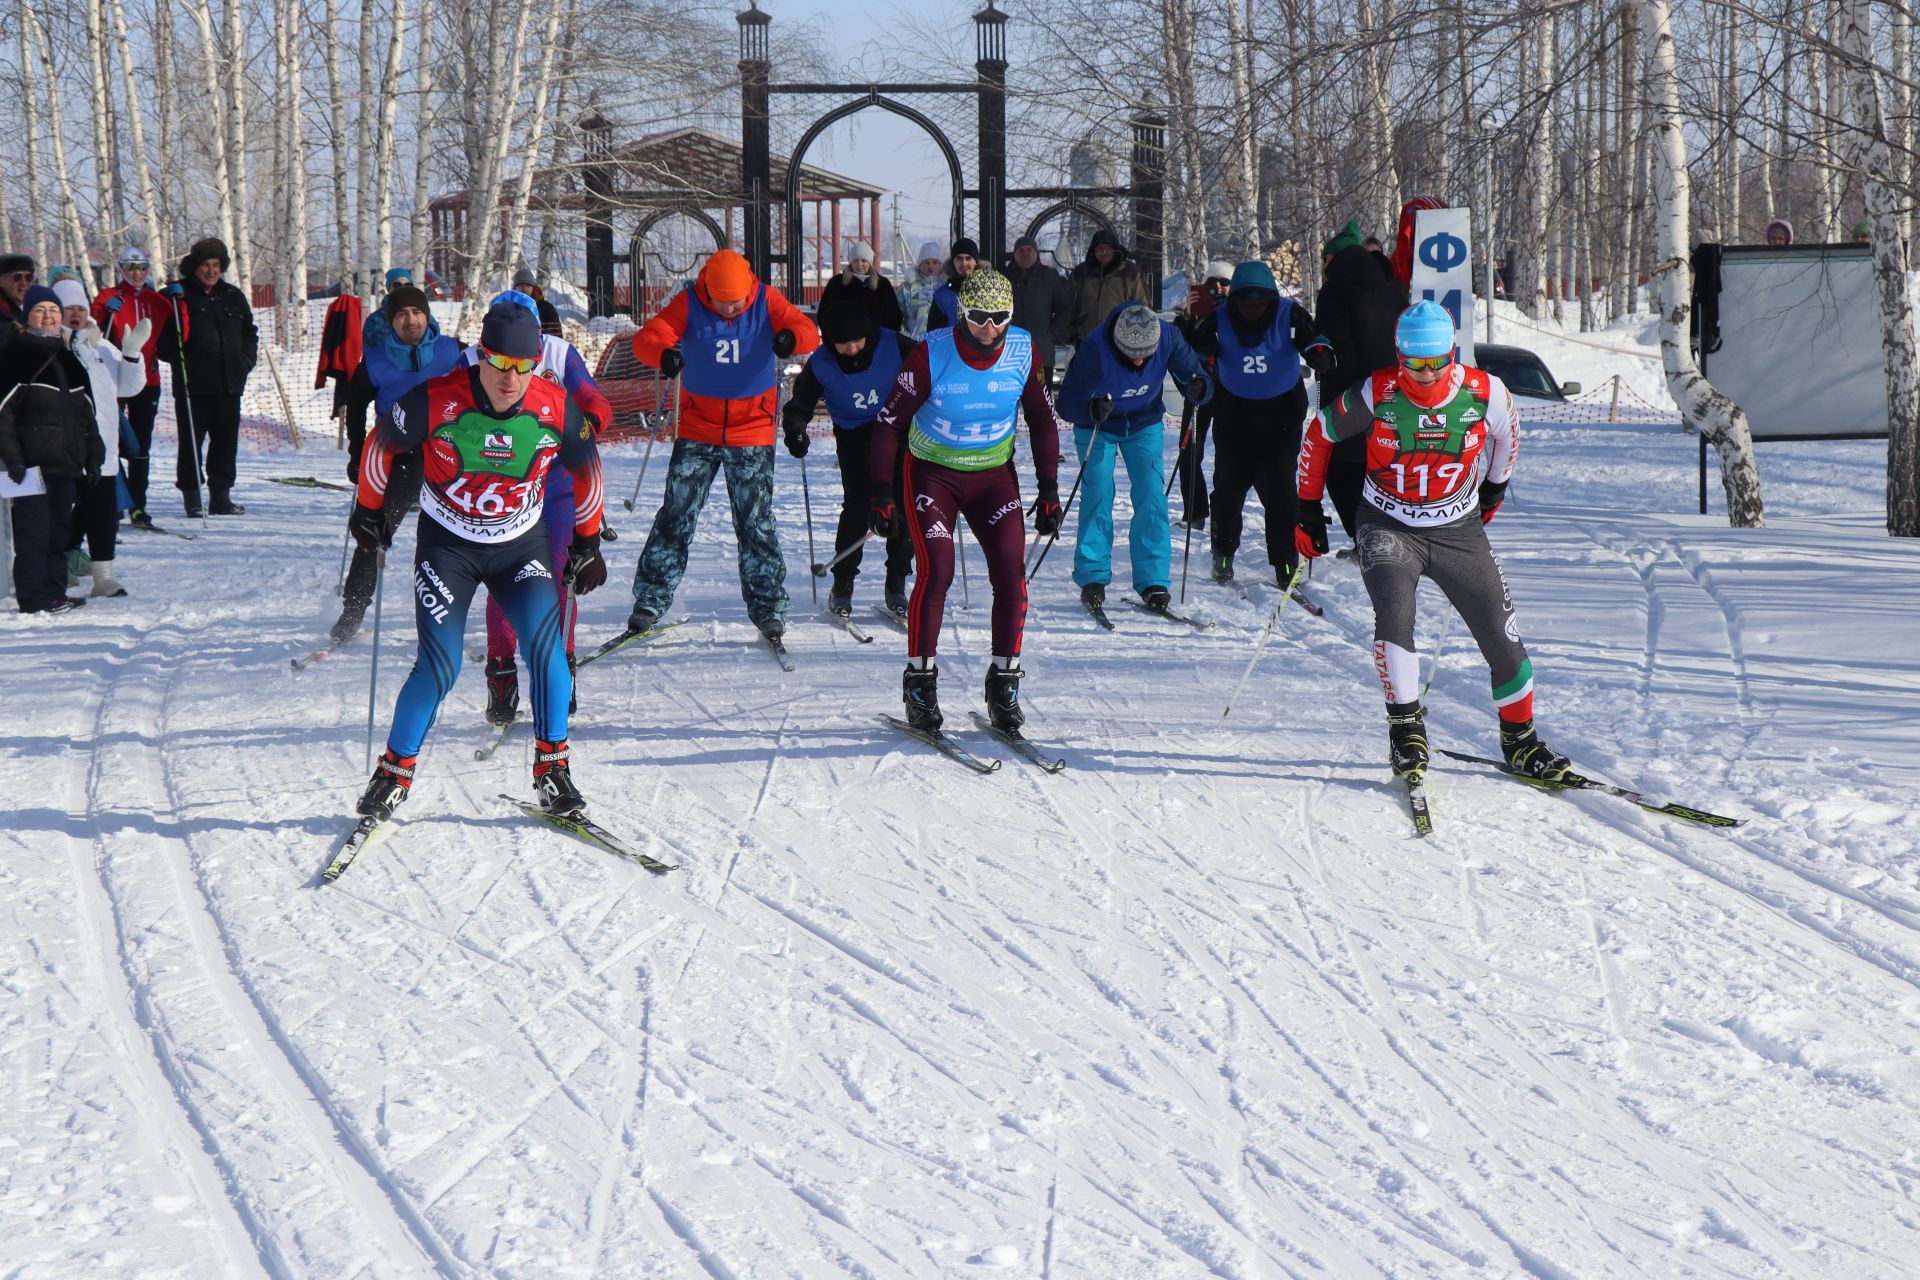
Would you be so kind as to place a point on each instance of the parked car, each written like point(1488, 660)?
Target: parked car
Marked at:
point(636, 392)
point(1524, 372)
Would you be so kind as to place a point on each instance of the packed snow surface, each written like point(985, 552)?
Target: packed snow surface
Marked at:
point(1201, 1005)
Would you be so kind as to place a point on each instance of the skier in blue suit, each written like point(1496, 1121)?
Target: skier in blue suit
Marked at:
point(1113, 396)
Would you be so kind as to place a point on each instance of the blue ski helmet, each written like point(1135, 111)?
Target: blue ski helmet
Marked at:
point(1425, 329)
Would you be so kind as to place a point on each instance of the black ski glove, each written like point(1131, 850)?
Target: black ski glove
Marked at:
point(1199, 388)
point(784, 342)
point(584, 565)
point(1047, 511)
point(796, 434)
point(1492, 494)
point(366, 524)
point(1100, 408)
point(671, 362)
point(882, 515)
point(1320, 357)
point(16, 474)
point(1310, 534)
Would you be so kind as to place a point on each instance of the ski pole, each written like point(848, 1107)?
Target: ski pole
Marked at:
point(822, 570)
point(653, 435)
point(1186, 555)
point(192, 439)
point(373, 678)
point(806, 495)
point(1261, 642)
point(960, 554)
point(346, 541)
point(1064, 512)
point(1186, 435)
point(1439, 647)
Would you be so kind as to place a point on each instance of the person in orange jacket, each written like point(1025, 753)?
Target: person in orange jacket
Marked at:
point(724, 337)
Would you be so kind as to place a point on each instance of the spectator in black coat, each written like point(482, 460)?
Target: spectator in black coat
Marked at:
point(16, 273)
point(1357, 307)
point(212, 343)
point(46, 421)
point(863, 285)
point(1040, 304)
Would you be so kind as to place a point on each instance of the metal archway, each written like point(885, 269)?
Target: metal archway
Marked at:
point(873, 98)
point(637, 254)
point(1072, 204)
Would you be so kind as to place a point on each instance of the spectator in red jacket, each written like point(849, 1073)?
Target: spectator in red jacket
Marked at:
point(118, 310)
point(725, 337)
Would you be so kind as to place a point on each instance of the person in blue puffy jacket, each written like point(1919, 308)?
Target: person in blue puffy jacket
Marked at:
point(1112, 394)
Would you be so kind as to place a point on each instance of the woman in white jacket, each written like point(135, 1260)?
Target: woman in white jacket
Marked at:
point(111, 373)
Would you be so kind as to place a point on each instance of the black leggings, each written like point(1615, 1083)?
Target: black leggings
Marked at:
point(96, 519)
point(141, 411)
point(851, 447)
point(1256, 446)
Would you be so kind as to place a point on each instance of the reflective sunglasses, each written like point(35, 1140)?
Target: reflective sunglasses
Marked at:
point(133, 266)
point(995, 318)
point(20, 275)
point(509, 364)
point(1427, 364)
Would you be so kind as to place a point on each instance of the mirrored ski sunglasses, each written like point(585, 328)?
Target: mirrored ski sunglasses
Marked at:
point(995, 318)
point(509, 364)
point(1427, 364)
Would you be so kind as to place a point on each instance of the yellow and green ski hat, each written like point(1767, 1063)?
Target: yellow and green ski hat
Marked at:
point(986, 290)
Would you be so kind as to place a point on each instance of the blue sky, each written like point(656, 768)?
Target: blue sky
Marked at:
point(874, 146)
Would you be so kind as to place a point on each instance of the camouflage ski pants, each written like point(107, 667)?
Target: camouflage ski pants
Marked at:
point(763, 573)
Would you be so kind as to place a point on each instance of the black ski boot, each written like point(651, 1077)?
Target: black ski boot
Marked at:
point(840, 602)
point(642, 620)
point(1094, 595)
point(1003, 698)
point(503, 691)
point(897, 600)
point(190, 499)
point(1222, 568)
point(553, 781)
point(224, 505)
point(391, 784)
point(920, 690)
point(1158, 599)
point(1528, 756)
point(1407, 740)
point(772, 628)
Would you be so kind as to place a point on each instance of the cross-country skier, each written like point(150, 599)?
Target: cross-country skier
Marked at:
point(1112, 395)
point(1428, 425)
point(401, 347)
point(853, 371)
point(724, 336)
point(488, 434)
point(1258, 340)
point(954, 403)
point(1203, 300)
point(559, 363)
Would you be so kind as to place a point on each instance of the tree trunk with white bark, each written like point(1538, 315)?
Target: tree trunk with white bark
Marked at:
point(142, 171)
point(1717, 418)
point(383, 161)
point(424, 58)
point(1885, 203)
point(337, 151)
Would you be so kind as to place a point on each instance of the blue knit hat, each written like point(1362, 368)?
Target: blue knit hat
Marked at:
point(396, 275)
point(1252, 275)
point(35, 295)
point(509, 330)
point(1425, 329)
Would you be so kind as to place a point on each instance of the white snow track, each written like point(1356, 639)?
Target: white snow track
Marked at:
point(1199, 1006)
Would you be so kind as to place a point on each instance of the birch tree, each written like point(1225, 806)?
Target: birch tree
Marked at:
point(383, 162)
point(1885, 203)
point(72, 240)
point(1718, 419)
point(30, 110)
point(142, 170)
point(216, 92)
point(424, 58)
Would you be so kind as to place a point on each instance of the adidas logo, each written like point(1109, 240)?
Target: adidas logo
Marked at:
point(532, 569)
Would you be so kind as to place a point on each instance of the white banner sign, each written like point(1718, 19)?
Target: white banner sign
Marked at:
point(1443, 268)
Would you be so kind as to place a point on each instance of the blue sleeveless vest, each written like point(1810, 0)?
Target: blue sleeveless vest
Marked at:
point(854, 399)
point(728, 360)
point(1269, 367)
point(971, 409)
point(1133, 390)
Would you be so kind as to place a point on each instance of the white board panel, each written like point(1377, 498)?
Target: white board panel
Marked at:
point(1800, 341)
